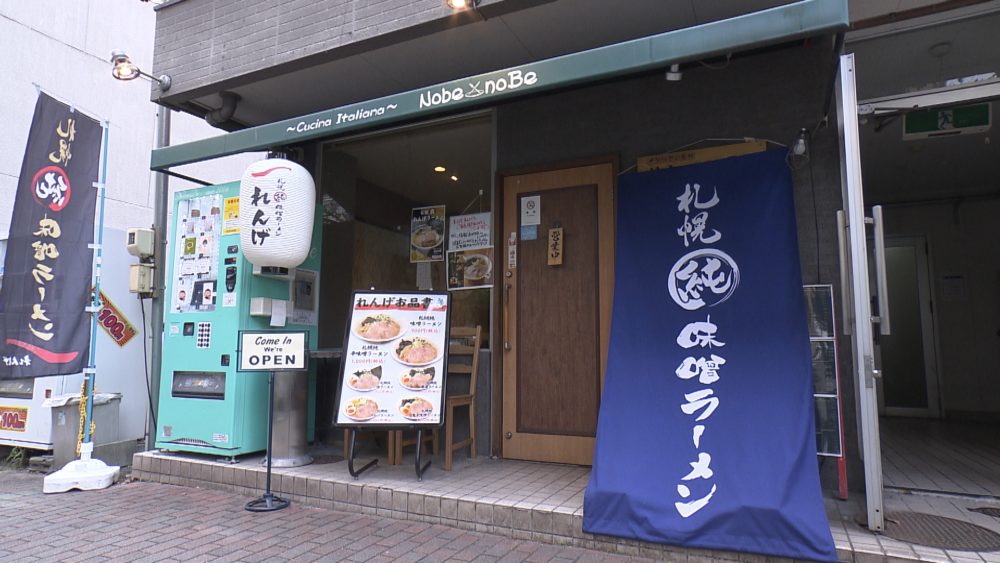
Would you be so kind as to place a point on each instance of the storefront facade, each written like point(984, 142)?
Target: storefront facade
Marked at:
point(561, 129)
point(580, 119)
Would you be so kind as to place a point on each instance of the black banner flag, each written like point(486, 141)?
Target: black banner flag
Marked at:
point(44, 329)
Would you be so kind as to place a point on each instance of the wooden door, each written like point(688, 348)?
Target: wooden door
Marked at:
point(556, 318)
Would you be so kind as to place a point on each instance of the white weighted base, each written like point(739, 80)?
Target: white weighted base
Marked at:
point(85, 474)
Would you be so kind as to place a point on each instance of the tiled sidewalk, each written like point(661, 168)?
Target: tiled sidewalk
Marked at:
point(140, 521)
point(521, 501)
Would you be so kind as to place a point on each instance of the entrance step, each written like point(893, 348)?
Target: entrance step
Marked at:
point(520, 500)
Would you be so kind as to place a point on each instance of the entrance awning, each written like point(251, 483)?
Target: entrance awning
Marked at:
point(783, 23)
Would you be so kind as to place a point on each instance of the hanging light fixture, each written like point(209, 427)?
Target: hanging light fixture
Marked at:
point(801, 145)
point(125, 69)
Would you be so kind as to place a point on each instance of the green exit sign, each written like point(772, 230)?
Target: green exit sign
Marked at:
point(944, 122)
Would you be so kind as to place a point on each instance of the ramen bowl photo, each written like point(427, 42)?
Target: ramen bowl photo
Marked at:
point(417, 379)
point(477, 269)
point(416, 408)
point(426, 237)
point(361, 409)
point(378, 328)
point(415, 352)
point(365, 380)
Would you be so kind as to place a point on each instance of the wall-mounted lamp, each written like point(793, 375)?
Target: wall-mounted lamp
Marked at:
point(125, 69)
point(674, 74)
point(462, 4)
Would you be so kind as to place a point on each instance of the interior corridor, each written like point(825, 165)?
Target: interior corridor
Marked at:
point(941, 456)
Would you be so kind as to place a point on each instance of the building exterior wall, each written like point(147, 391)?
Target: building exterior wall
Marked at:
point(65, 49)
point(202, 42)
point(767, 96)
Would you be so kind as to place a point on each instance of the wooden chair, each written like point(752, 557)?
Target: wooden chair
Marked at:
point(464, 348)
point(463, 360)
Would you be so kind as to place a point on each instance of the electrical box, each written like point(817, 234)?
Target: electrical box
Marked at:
point(140, 278)
point(260, 306)
point(141, 242)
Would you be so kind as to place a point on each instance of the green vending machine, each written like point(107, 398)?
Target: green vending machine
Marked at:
point(213, 292)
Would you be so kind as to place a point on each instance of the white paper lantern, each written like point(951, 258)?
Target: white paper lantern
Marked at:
point(277, 206)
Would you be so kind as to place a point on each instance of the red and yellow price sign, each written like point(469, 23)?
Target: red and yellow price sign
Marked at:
point(114, 322)
point(13, 418)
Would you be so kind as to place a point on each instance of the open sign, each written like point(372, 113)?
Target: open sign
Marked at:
point(272, 351)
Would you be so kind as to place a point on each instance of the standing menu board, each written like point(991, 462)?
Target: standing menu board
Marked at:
point(395, 359)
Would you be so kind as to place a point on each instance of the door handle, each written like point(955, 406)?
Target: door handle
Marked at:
point(847, 307)
point(506, 314)
point(882, 282)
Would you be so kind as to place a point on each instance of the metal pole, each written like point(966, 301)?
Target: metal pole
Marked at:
point(91, 371)
point(160, 204)
point(864, 354)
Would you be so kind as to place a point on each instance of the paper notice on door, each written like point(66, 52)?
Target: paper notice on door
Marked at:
point(531, 210)
point(512, 251)
point(424, 276)
point(279, 312)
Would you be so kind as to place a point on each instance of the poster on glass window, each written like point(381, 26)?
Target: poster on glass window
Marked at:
point(470, 255)
point(427, 234)
point(395, 355)
point(470, 269)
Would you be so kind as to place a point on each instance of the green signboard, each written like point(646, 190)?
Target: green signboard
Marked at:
point(939, 122)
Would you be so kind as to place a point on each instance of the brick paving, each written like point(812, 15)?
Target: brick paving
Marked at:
point(141, 521)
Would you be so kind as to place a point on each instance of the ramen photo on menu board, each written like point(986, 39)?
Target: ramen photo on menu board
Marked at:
point(365, 380)
point(361, 409)
point(415, 408)
point(378, 328)
point(417, 379)
point(415, 351)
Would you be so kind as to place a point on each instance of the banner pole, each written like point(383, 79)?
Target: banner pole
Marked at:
point(88, 473)
point(95, 277)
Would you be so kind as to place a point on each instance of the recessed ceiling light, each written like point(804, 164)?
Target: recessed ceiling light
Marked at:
point(454, 178)
point(439, 168)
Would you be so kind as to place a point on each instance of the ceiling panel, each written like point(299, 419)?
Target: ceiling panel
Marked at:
point(917, 59)
point(898, 62)
point(403, 162)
